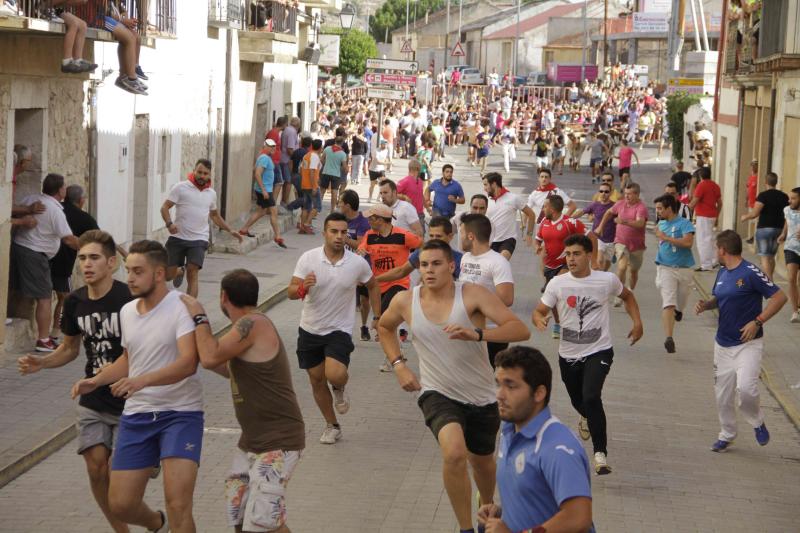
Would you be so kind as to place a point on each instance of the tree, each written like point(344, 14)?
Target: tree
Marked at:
point(677, 104)
point(392, 15)
point(355, 48)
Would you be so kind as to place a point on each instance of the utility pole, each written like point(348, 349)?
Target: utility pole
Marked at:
point(583, 51)
point(460, 2)
point(675, 38)
point(605, 36)
point(408, 5)
point(447, 37)
point(516, 43)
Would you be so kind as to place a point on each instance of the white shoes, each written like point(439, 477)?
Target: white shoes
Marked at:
point(386, 367)
point(795, 318)
point(583, 429)
point(341, 401)
point(617, 302)
point(330, 435)
point(601, 467)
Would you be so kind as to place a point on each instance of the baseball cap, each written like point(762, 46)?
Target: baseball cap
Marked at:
point(379, 210)
point(269, 142)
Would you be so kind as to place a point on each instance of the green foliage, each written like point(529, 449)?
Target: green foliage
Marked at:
point(356, 47)
point(677, 104)
point(392, 15)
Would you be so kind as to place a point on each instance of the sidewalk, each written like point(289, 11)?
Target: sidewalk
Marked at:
point(37, 416)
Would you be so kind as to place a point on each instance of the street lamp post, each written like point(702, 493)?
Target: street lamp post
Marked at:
point(347, 16)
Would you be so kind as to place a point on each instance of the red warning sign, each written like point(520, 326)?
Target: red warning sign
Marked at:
point(457, 51)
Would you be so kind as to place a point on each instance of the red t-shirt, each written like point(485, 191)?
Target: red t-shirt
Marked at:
point(752, 189)
point(414, 189)
point(275, 135)
point(708, 193)
point(552, 234)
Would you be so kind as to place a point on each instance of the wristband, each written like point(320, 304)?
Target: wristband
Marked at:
point(399, 360)
point(201, 319)
point(479, 331)
point(301, 292)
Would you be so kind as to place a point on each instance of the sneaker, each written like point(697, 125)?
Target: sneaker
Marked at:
point(140, 73)
point(280, 242)
point(46, 345)
point(164, 524)
point(617, 302)
point(129, 85)
point(720, 446)
point(340, 400)
point(86, 66)
point(177, 281)
point(156, 471)
point(678, 315)
point(73, 67)
point(583, 428)
point(601, 467)
point(386, 367)
point(331, 434)
point(795, 318)
point(365, 333)
point(669, 344)
point(403, 335)
point(762, 435)
point(556, 333)
point(141, 84)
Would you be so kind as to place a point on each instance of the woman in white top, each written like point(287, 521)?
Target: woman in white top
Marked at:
point(508, 140)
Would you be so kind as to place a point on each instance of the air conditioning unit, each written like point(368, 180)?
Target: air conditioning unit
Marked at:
point(310, 54)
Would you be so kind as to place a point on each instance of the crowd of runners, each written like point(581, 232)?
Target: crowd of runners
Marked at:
point(409, 267)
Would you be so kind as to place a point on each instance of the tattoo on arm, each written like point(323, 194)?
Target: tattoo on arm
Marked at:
point(243, 326)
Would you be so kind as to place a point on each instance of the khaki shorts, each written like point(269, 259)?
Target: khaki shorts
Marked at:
point(255, 489)
point(674, 284)
point(605, 249)
point(635, 259)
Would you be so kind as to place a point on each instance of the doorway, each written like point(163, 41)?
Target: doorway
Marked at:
point(29, 134)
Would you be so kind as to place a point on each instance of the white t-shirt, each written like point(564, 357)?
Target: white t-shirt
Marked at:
point(455, 244)
point(51, 227)
point(192, 207)
point(404, 214)
point(151, 341)
point(502, 213)
point(331, 304)
point(377, 163)
point(536, 199)
point(583, 305)
point(488, 269)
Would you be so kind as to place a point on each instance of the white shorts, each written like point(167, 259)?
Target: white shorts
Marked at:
point(605, 249)
point(674, 284)
point(255, 489)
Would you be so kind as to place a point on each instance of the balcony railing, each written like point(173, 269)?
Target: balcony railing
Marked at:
point(226, 13)
point(154, 17)
point(272, 16)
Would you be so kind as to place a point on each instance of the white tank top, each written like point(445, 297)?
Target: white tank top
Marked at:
point(457, 369)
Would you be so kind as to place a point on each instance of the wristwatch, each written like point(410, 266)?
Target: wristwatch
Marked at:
point(479, 331)
point(758, 322)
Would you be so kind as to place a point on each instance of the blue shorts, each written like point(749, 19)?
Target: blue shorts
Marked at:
point(767, 241)
point(144, 439)
point(110, 23)
point(283, 173)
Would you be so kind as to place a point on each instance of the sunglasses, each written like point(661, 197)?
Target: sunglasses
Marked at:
point(604, 191)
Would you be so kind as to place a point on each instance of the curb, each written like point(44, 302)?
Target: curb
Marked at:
point(791, 410)
point(57, 441)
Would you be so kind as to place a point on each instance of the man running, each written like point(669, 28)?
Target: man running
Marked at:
point(477, 206)
point(630, 214)
point(457, 389)
point(502, 213)
point(157, 376)
point(790, 237)
point(265, 197)
point(404, 214)
point(739, 345)
point(91, 314)
point(357, 227)
point(585, 352)
point(252, 355)
point(483, 266)
point(326, 278)
point(605, 240)
point(546, 189)
point(674, 262)
point(447, 193)
point(542, 469)
point(194, 201)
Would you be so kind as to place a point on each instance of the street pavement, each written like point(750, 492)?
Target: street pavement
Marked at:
point(385, 473)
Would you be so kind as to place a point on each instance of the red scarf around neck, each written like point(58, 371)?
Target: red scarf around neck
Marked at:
point(201, 187)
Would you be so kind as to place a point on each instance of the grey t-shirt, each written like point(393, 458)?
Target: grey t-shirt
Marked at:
point(289, 140)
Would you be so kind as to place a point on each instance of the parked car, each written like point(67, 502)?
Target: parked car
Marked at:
point(536, 78)
point(449, 70)
point(471, 76)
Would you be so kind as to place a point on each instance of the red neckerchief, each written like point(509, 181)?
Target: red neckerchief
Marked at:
point(549, 187)
point(201, 187)
point(336, 148)
point(503, 190)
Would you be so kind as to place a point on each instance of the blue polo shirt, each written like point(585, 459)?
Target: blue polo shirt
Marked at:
point(739, 293)
point(440, 202)
point(669, 254)
point(268, 174)
point(532, 484)
point(414, 260)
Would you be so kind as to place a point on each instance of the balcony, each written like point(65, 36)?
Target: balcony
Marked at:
point(34, 15)
point(270, 34)
point(226, 14)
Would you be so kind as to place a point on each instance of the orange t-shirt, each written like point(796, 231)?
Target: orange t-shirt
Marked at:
point(386, 253)
point(309, 171)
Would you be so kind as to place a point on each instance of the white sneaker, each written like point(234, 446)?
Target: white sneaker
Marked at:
point(617, 302)
point(583, 429)
point(795, 318)
point(601, 467)
point(341, 401)
point(386, 367)
point(330, 435)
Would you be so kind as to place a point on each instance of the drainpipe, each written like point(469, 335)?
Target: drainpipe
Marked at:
point(223, 193)
point(771, 136)
point(92, 153)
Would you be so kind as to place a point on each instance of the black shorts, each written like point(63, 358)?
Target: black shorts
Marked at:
point(624, 170)
point(313, 349)
point(181, 251)
point(479, 422)
point(791, 258)
point(361, 290)
point(550, 273)
point(494, 349)
point(61, 284)
point(264, 203)
point(508, 244)
point(386, 297)
point(375, 175)
point(30, 272)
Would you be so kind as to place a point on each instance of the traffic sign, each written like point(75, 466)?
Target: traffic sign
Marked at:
point(406, 49)
point(386, 94)
point(458, 51)
point(393, 64)
point(390, 79)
